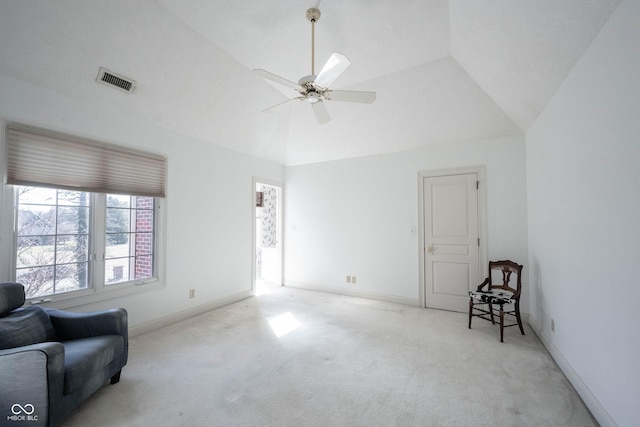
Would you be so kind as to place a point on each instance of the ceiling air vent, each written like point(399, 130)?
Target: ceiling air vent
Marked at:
point(116, 80)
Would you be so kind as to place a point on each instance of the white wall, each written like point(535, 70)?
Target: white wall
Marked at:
point(353, 217)
point(584, 221)
point(208, 206)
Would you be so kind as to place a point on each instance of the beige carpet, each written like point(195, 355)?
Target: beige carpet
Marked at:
point(349, 362)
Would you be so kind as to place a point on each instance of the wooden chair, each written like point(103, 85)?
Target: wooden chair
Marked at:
point(498, 294)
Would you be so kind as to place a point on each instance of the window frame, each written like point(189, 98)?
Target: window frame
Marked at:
point(97, 289)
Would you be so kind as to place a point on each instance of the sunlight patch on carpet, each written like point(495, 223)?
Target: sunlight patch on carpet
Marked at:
point(284, 324)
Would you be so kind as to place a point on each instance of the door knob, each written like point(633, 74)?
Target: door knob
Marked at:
point(430, 249)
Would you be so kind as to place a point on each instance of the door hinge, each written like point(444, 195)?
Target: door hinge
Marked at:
point(477, 185)
point(478, 241)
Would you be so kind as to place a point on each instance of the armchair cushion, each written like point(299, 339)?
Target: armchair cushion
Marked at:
point(493, 296)
point(26, 326)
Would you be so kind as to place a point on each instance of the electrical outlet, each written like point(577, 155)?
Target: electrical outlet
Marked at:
point(553, 325)
point(348, 279)
point(353, 279)
point(192, 293)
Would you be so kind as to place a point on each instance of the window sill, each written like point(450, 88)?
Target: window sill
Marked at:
point(90, 296)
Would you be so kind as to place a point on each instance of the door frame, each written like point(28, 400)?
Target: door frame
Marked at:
point(480, 171)
point(279, 232)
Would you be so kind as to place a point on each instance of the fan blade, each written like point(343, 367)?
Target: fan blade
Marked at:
point(320, 110)
point(274, 78)
point(299, 98)
point(335, 66)
point(351, 96)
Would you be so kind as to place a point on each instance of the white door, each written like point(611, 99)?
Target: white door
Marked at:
point(451, 240)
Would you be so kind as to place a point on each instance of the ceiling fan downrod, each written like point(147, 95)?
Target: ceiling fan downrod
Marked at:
point(313, 15)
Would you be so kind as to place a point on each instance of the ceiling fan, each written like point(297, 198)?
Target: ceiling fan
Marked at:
point(315, 88)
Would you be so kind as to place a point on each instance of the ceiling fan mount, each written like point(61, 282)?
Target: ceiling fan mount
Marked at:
point(315, 88)
point(313, 14)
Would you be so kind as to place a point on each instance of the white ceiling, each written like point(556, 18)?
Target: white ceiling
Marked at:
point(444, 71)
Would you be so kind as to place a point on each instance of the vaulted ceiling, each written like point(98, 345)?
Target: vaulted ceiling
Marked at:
point(444, 70)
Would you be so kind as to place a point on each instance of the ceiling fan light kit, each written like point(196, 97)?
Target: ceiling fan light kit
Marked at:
point(315, 88)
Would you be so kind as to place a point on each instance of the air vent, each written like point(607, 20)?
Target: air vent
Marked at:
point(115, 80)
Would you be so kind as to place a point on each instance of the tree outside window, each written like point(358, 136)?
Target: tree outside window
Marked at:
point(54, 242)
point(52, 253)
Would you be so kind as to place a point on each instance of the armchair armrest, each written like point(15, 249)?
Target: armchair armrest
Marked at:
point(71, 326)
point(32, 377)
point(483, 284)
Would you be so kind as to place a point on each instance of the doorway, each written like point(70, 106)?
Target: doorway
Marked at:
point(267, 233)
point(452, 236)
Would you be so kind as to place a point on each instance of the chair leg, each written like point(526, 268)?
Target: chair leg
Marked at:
point(501, 324)
point(493, 322)
point(116, 377)
point(518, 318)
point(470, 311)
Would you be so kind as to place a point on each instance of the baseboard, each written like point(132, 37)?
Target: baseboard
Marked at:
point(592, 403)
point(186, 314)
point(354, 293)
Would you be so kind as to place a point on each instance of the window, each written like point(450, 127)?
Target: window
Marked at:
point(52, 248)
point(72, 240)
point(87, 214)
point(129, 238)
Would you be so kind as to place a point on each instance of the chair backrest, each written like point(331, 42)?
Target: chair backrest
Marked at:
point(500, 276)
point(11, 297)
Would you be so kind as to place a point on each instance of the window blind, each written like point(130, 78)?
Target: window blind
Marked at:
point(38, 157)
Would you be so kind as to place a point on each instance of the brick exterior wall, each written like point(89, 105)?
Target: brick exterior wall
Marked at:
point(144, 238)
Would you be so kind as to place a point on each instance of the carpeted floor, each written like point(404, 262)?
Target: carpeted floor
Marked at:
point(349, 362)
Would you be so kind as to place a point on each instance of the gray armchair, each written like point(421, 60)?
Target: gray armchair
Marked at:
point(51, 361)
